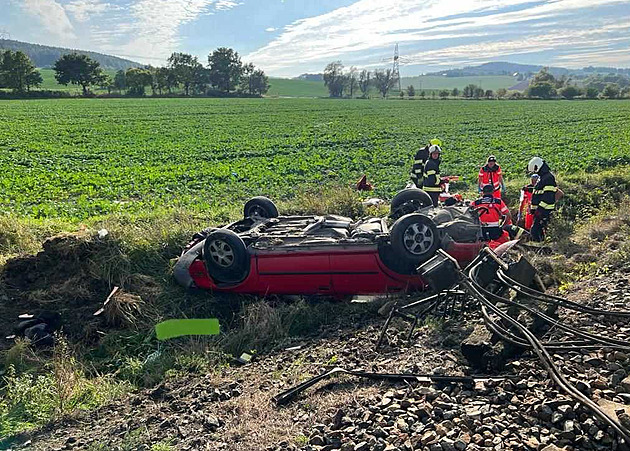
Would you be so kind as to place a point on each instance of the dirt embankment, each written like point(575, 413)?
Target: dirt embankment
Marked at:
point(73, 276)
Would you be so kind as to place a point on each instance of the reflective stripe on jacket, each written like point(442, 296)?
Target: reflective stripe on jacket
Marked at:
point(431, 182)
point(491, 211)
point(491, 176)
point(544, 193)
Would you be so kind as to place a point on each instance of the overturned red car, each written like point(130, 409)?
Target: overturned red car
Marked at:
point(266, 253)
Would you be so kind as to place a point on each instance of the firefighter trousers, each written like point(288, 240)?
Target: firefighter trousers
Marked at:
point(539, 226)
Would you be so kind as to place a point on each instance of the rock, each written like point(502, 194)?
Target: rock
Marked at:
point(553, 448)
point(363, 446)
point(625, 384)
point(317, 440)
point(429, 437)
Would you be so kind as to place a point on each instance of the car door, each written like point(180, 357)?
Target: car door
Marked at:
point(300, 271)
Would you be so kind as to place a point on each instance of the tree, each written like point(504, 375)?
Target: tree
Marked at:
point(569, 92)
point(411, 91)
point(225, 69)
point(334, 79)
point(106, 83)
point(611, 91)
point(591, 92)
point(17, 71)
point(444, 93)
point(422, 94)
point(163, 78)
point(260, 82)
point(78, 70)
point(364, 83)
point(401, 94)
point(625, 93)
point(137, 80)
point(489, 94)
point(352, 80)
point(120, 80)
point(469, 90)
point(455, 92)
point(478, 93)
point(501, 93)
point(33, 80)
point(384, 80)
point(543, 85)
point(184, 68)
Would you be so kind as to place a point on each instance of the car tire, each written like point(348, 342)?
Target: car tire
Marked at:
point(414, 239)
point(226, 257)
point(260, 207)
point(421, 198)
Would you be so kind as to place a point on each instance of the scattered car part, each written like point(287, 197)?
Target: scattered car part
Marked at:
point(290, 394)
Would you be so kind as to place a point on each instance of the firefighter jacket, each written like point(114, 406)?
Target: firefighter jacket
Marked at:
point(544, 194)
point(431, 183)
point(491, 211)
point(419, 161)
point(490, 176)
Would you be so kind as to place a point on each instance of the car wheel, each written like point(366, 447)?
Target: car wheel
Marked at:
point(260, 207)
point(226, 257)
point(419, 197)
point(414, 238)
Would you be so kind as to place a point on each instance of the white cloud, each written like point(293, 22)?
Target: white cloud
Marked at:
point(51, 15)
point(373, 27)
point(270, 29)
point(83, 10)
point(149, 30)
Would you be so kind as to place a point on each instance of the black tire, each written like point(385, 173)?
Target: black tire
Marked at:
point(260, 207)
point(414, 239)
point(420, 197)
point(226, 257)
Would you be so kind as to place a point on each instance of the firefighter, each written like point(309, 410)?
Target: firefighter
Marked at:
point(524, 214)
point(420, 160)
point(432, 182)
point(543, 197)
point(493, 213)
point(491, 174)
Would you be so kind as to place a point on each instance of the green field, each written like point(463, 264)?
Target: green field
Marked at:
point(51, 84)
point(284, 87)
point(436, 82)
point(80, 158)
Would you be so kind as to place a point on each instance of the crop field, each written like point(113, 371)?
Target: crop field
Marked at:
point(81, 158)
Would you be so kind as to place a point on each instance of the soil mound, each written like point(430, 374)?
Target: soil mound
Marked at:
point(73, 276)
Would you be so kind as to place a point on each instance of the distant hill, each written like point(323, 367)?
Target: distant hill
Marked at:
point(310, 77)
point(45, 56)
point(506, 68)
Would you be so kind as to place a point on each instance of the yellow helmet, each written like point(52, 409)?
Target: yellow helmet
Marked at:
point(436, 142)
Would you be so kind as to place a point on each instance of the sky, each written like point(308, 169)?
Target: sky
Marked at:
point(290, 37)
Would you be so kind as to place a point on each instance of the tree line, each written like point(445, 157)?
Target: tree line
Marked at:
point(225, 74)
point(544, 85)
point(340, 82)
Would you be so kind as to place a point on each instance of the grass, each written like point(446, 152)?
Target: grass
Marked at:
point(286, 87)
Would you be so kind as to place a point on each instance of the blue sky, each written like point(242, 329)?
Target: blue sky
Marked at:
point(290, 37)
